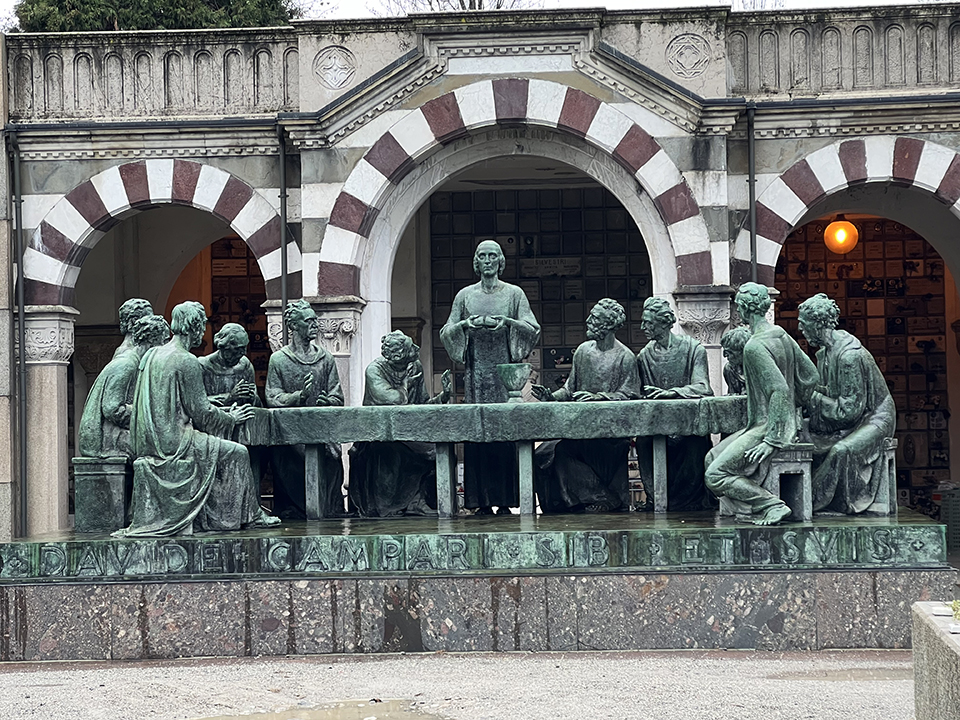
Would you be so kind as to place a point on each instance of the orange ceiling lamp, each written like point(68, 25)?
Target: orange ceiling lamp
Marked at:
point(841, 236)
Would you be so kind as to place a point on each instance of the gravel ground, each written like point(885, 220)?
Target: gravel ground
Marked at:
point(548, 686)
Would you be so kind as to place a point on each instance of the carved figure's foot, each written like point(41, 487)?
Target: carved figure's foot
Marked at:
point(646, 506)
point(772, 515)
point(483, 511)
point(504, 511)
point(264, 519)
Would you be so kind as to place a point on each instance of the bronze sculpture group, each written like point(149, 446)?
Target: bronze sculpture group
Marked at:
point(175, 416)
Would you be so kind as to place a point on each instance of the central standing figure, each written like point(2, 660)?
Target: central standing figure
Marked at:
point(490, 323)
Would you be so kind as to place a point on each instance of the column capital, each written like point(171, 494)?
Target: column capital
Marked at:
point(48, 334)
point(339, 320)
point(704, 311)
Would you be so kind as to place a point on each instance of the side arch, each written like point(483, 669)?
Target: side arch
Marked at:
point(513, 102)
point(894, 160)
point(74, 225)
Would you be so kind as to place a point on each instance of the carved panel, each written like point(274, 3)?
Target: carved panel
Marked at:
point(831, 59)
point(291, 78)
point(799, 59)
point(263, 84)
point(143, 82)
point(769, 57)
point(704, 317)
point(53, 84)
point(335, 67)
point(232, 78)
point(113, 81)
point(862, 57)
point(926, 54)
point(737, 49)
point(894, 55)
point(688, 55)
point(23, 84)
point(84, 93)
point(173, 80)
point(204, 80)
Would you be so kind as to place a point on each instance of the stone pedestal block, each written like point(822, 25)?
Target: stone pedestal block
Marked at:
point(101, 493)
point(936, 663)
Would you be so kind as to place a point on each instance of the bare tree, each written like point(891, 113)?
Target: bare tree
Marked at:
point(393, 8)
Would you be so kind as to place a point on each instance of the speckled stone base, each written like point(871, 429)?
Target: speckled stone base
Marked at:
point(751, 610)
point(936, 664)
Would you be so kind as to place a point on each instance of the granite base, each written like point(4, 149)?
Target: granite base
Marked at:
point(774, 611)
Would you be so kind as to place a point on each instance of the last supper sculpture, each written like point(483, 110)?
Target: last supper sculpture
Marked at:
point(191, 476)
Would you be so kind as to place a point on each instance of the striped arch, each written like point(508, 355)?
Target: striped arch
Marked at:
point(51, 263)
point(513, 102)
point(885, 159)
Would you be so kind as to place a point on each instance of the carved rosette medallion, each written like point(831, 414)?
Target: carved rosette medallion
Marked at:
point(688, 55)
point(336, 334)
point(335, 67)
point(274, 330)
point(48, 339)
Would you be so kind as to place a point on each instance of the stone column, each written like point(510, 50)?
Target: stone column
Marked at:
point(49, 346)
point(703, 311)
point(339, 322)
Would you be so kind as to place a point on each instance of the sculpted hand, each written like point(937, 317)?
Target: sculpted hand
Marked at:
point(500, 321)
point(243, 391)
point(474, 322)
point(759, 453)
point(541, 393)
point(323, 400)
point(446, 382)
point(307, 388)
point(584, 396)
point(654, 393)
point(240, 413)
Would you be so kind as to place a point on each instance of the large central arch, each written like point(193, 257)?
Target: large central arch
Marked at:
point(514, 102)
point(74, 225)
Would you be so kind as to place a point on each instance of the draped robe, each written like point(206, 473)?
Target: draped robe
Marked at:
point(186, 475)
point(490, 470)
point(393, 478)
point(779, 378)
point(285, 376)
point(850, 416)
point(573, 475)
point(681, 366)
point(105, 422)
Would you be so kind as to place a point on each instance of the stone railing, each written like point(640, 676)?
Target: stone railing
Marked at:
point(123, 75)
point(856, 51)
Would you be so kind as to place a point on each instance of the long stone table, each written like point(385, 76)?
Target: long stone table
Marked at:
point(523, 423)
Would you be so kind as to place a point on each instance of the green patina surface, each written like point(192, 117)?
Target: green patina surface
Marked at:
point(475, 546)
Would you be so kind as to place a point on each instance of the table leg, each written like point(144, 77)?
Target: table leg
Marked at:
point(311, 467)
point(525, 466)
point(446, 480)
point(659, 473)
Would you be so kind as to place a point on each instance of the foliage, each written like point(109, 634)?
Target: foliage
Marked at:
point(98, 15)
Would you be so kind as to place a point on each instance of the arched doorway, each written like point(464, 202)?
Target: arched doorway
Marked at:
point(568, 243)
point(897, 298)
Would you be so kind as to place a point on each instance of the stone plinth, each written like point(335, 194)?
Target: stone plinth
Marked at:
point(936, 663)
point(101, 494)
